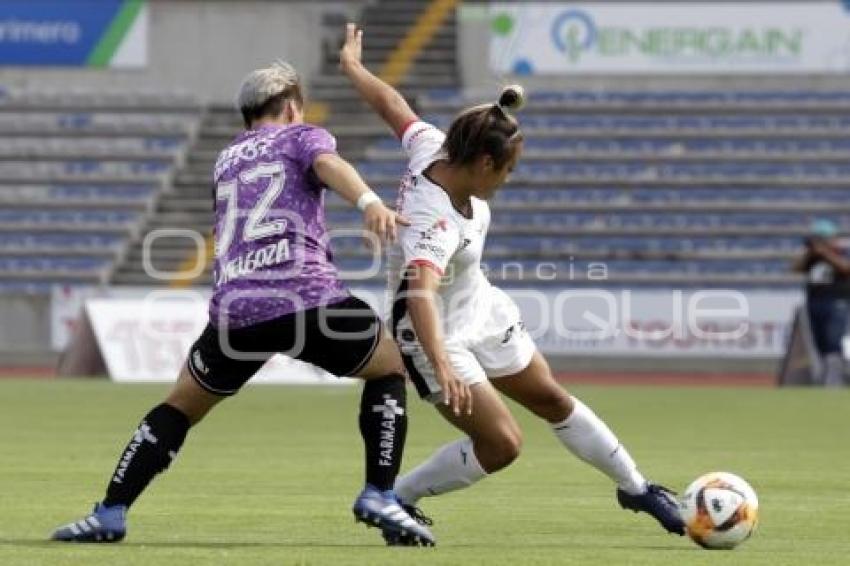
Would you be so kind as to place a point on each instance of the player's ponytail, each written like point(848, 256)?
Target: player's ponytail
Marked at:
point(512, 98)
point(488, 129)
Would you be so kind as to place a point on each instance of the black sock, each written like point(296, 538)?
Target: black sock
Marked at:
point(383, 425)
point(154, 444)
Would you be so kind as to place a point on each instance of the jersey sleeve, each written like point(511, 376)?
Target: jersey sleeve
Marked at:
point(420, 142)
point(313, 142)
point(429, 240)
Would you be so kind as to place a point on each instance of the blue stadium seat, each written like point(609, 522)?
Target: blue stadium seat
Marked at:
point(59, 241)
point(47, 217)
point(96, 192)
point(78, 172)
point(689, 97)
point(727, 182)
point(52, 264)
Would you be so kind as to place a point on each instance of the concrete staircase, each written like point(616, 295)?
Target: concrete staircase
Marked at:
point(187, 205)
point(385, 25)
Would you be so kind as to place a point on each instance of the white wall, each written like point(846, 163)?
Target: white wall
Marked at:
point(205, 47)
point(26, 325)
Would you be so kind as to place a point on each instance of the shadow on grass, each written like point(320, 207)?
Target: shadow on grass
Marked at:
point(202, 544)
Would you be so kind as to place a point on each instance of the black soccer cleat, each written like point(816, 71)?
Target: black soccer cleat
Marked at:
point(382, 510)
point(657, 501)
point(395, 539)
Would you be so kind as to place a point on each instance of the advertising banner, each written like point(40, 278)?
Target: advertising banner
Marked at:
point(146, 340)
point(75, 33)
point(66, 306)
point(666, 323)
point(145, 335)
point(530, 38)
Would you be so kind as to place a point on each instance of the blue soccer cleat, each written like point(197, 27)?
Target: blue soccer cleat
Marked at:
point(104, 524)
point(396, 539)
point(659, 502)
point(382, 510)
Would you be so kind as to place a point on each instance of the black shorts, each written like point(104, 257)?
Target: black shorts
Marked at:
point(340, 338)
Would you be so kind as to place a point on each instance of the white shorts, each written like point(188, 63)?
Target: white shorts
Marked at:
point(499, 347)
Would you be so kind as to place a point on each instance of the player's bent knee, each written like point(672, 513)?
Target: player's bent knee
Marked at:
point(500, 451)
point(512, 449)
point(555, 407)
point(507, 451)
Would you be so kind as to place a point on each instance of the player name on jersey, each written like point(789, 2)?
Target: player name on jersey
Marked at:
point(254, 260)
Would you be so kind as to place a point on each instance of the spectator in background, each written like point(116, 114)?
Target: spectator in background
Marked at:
point(826, 262)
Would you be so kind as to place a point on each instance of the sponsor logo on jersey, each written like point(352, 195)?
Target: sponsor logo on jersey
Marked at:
point(251, 149)
point(427, 237)
point(441, 224)
point(436, 251)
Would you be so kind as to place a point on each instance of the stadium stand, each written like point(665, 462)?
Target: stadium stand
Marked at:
point(712, 187)
point(188, 204)
point(667, 186)
point(663, 187)
point(79, 171)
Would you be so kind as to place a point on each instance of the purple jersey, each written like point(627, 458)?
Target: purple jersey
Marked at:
point(271, 252)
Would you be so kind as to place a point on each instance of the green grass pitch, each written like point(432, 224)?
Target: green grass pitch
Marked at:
point(269, 477)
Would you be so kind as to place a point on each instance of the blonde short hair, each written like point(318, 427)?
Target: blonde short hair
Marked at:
point(264, 91)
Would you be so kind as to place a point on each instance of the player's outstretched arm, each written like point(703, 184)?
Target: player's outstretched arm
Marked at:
point(423, 282)
point(343, 178)
point(386, 101)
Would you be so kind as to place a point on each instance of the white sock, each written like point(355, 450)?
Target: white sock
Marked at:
point(453, 466)
point(585, 435)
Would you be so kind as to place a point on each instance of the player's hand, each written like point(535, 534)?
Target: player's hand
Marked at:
point(383, 222)
point(352, 49)
point(456, 394)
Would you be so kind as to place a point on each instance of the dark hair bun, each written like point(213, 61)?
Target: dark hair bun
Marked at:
point(512, 97)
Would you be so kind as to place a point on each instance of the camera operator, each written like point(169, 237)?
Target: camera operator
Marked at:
point(826, 261)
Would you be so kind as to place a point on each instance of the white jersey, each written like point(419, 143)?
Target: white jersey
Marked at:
point(441, 237)
point(482, 327)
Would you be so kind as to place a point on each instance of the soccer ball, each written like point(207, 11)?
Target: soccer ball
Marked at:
point(720, 510)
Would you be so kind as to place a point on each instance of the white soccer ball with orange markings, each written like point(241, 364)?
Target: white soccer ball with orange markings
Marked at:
point(720, 510)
